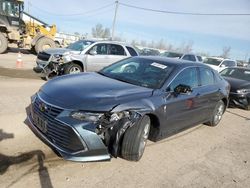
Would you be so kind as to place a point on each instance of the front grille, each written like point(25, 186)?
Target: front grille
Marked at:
point(58, 133)
point(43, 56)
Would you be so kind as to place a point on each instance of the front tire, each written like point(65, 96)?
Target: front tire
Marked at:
point(73, 68)
point(217, 114)
point(43, 44)
point(135, 139)
point(3, 43)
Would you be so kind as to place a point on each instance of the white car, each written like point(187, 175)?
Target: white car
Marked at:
point(192, 57)
point(218, 63)
point(187, 56)
point(81, 56)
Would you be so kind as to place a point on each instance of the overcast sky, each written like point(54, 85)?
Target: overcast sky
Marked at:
point(208, 33)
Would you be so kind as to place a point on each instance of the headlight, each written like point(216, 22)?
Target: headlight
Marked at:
point(67, 58)
point(56, 58)
point(243, 91)
point(86, 116)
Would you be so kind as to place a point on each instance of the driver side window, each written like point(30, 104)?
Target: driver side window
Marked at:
point(188, 76)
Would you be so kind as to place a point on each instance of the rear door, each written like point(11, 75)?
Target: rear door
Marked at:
point(210, 91)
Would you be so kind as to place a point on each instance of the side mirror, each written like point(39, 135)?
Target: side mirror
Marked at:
point(182, 89)
point(92, 52)
point(223, 65)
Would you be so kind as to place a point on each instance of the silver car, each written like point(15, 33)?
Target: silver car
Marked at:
point(81, 56)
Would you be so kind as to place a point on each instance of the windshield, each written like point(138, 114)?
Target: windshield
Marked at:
point(242, 74)
point(80, 45)
point(139, 71)
point(212, 61)
point(10, 8)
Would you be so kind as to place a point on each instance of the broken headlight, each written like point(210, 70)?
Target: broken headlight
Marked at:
point(86, 116)
point(118, 115)
point(56, 58)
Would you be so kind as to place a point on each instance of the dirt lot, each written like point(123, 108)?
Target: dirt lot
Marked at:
point(200, 157)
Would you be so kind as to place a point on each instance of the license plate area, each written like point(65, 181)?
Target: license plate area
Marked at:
point(40, 123)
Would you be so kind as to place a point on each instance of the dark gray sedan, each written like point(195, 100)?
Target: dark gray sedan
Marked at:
point(93, 116)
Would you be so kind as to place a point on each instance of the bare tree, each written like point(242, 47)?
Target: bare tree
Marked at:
point(226, 51)
point(99, 32)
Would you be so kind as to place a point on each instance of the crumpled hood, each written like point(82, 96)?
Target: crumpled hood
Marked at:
point(237, 84)
point(60, 51)
point(90, 92)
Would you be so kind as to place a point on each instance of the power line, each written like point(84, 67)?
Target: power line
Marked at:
point(76, 14)
point(185, 13)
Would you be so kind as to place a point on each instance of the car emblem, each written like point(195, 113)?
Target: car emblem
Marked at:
point(43, 107)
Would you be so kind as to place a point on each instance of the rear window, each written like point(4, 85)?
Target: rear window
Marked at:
point(116, 50)
point(131, 51)
point(199, 58)
point(228, 63)
point(189, 57)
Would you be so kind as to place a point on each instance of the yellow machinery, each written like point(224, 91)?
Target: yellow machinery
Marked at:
point(19, 27)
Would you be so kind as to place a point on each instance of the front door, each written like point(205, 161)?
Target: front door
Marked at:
point(183, 110)
point(97, 57)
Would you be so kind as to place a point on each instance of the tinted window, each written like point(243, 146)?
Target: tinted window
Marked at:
point(189, 57)
point(207, 77)
point(115, 49)
point(188, 77)
point(101, 49)
point(80, 45)
point(131, 51)
point(229, 63)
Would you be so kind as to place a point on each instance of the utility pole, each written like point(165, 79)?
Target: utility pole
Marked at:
point(114, 20)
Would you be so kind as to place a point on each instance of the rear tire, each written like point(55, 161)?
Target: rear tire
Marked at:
point(135, 139)
point(72, 68)
point(217, 114)
point(43, 44)
point(3, 43)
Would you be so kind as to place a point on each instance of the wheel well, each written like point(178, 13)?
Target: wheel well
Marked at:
point(154, 127)
point(225, 102)
point(80, 64)
point(3, 30)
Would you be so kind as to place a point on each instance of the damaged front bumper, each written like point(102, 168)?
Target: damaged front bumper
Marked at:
point(78, 139)
point(73, 142)
point(239, 100)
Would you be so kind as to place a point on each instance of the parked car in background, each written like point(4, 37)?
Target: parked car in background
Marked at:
point(239, 79)
point(187, 56)
point(172, 54)
point(149, 52)
point(218, 63)
point(192, 57)
point(81, 56)
point(91, 116)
